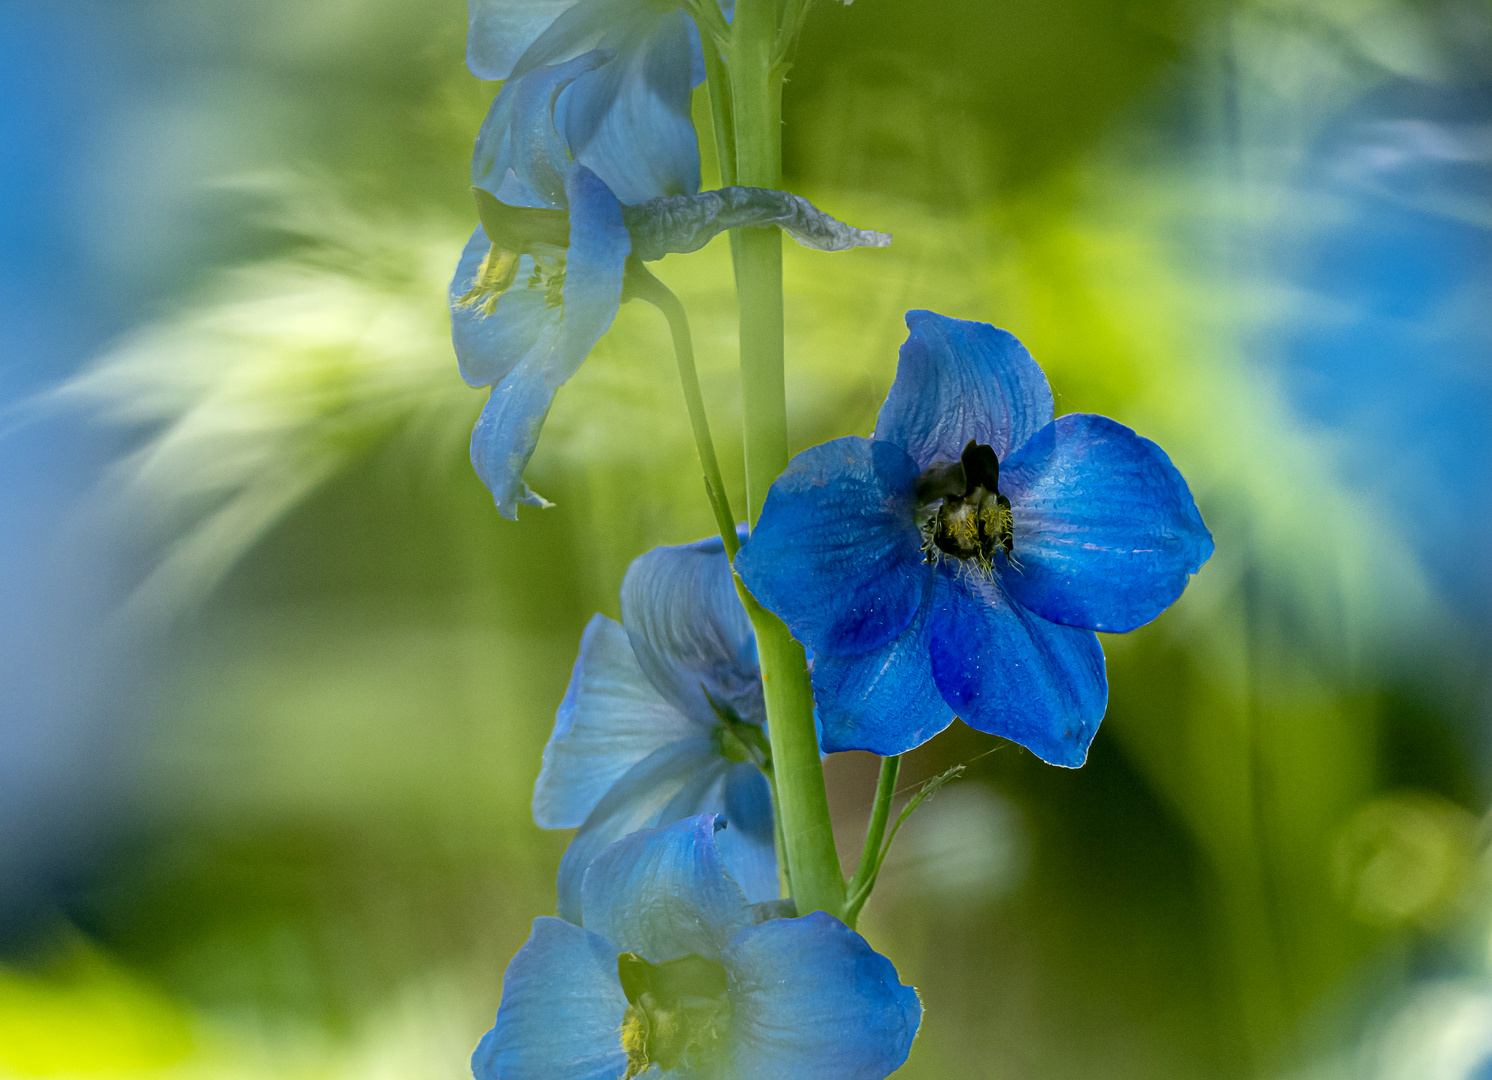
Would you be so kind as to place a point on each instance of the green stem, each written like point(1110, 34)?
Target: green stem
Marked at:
point(803, 803)
point(642, 285)
point(875, 831)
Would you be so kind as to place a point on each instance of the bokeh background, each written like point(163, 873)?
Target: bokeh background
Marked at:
point(274, 676)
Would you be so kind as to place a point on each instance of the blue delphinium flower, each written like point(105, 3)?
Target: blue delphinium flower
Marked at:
point(960, 560)
point(543, 275)
point(672, 969)
point(663, 719)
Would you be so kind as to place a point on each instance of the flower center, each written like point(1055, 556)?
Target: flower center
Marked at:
point(516, 231)
point(677, 1011)
point(960, 509)
point(736, 739)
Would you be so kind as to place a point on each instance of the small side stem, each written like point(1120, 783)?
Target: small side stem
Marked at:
point(875, 831)
point(642, 285)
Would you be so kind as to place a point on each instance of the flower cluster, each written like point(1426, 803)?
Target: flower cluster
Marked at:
point(959, 561)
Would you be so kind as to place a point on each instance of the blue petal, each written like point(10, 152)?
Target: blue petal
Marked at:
point(748, 845)
point(958, 381)
point(690, 632)
point(630, 120)
point(1012, 673)
point(561, 1009)
point(1106, 531)
point(488, 347)
point(812, 1000)
point(500, 30)
point(520, 133)
point(508, 429)
point(836, 553)
point(885, 700)
point(665, 893)
point(673, 782)
point(610, 719)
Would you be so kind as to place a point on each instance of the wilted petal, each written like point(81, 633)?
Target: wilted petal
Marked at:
point(885, 700)
point(690, 632)
point(562, 1006)
point(610, 719)
point(1106, 531)
point(1012, 673)
point(812, 1000)
point(664, 893)
point(836, 553)
point(684, 223)
point(958, 381)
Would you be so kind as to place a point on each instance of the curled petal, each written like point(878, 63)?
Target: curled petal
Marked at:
point(1106, 531)
point(507, 432)
point(561, 1007)
point(747, 844)
point(690, 632)
point(836, 553)
point(884, 700)
point(683, 223)
point(811, 999)
point(665, 893)
point(610, 719)
point(1012, 673)
point(958, 381)
point(499, 31)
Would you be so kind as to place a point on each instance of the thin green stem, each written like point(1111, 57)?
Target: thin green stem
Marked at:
point(857, 896)
point(875, 831)
point(756, 115)
point(717, 81)
point(642, 285)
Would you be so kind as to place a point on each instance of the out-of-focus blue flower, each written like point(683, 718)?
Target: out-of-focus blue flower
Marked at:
point(960, 559)
point(542, 277)
point(671, 968)
point(663, 719)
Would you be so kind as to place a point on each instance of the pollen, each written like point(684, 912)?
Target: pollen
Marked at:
point(494, 277)
point(636, 1029)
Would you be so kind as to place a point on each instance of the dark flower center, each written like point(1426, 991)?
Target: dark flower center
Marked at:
point(677, 1011)
point(961, 511)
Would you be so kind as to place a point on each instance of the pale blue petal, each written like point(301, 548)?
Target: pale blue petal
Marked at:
point(1106, 531)
point(610, 719)
point(488, 347)
point(664, 893)
point(667, 785)
point(561, 1010)
point(1012, 673)
point(958, 381)
point(690, 632)
point(813, 1001)
point(629, 120)
point(508, 429)
point(748, 845)
point(885, 700)
point(836, 553)
point(500, 30)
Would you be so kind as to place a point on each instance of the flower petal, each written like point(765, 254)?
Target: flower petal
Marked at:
point(884, 700)
point(1106, 531)
point(748, 845)
point(690, 632)
point(812, 999)
point(665, 893)
point(675, 781)
point(610, 719)
point(1012, 673)
point(508, 429)
point(957, 381)
point(488, 347)
point(562, 1005)
point(836, 553)
point(684, 223)
point(629, 120)
point(498, 32)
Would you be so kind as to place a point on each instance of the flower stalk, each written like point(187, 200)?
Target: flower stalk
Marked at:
point(756, 71)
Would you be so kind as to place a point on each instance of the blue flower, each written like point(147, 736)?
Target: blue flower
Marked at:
point(542, 277)
point(672, 970)
point(663, 719)
point(960, 559)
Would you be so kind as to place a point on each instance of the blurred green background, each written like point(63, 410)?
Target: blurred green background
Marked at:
point(1256, 232)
